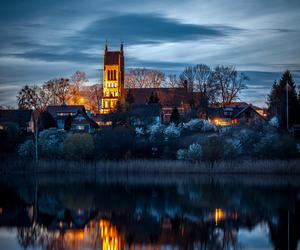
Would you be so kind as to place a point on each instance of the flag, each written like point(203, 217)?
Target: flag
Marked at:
point(288, 87)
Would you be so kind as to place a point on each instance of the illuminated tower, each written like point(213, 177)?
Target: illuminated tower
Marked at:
point(113, 79)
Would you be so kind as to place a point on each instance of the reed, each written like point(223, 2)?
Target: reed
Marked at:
point(140, 166)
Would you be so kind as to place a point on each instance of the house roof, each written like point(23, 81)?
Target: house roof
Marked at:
point(235, 112)
point(18, 116)
point(55, 109)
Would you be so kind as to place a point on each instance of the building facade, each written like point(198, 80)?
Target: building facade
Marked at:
point(113, 79)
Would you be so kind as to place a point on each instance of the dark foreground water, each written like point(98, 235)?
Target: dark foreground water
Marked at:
point(149, 212)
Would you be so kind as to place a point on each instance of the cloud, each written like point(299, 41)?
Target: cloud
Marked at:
point(42, 40)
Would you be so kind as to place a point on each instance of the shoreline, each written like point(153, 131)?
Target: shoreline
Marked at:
point(157, 167)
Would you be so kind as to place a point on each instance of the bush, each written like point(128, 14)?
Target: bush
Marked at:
point(193, 153)
point(115, 143)
point(199, 125)
point(79, 146)
point(156, 131)
point(51, 143)
point(172, 131)
point(27, 149)
point(213, 149)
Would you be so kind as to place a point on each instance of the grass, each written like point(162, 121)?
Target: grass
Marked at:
point(152, 167)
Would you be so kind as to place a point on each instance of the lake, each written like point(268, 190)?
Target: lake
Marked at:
point(149, 212)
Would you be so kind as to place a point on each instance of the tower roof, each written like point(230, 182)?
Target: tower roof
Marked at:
point(112, 57)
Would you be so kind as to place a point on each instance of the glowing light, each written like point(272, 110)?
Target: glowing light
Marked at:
point(219, 215)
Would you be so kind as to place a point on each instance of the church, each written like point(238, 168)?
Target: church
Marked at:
point(113, 79)
point(114, 89)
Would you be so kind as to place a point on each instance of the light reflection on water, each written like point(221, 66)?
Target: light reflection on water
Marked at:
point(201, 212)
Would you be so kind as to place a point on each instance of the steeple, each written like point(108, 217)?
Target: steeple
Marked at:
point(121, 48)
point(105, 50)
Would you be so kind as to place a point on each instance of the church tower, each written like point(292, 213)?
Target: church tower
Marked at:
point(113, 79)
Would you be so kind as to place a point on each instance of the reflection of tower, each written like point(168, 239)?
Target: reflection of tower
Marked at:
point(113, 79)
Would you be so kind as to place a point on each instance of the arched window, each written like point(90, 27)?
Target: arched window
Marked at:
point(115, 75)
point(108, 75)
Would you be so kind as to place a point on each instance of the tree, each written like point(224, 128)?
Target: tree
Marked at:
point(78, 79)
point(173, 81)
point(277, 100)
point(175, 116)
point(200, 78)
point(95, 97)
point(46, 121)
point(37, 98)
point(52, 92)
point(229, 83)
point(144, 78)
point(58, 89)
point(153, 98)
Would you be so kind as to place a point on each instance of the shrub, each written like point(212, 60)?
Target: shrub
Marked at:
point(156, 131)
point(172, 131)
point(139, 131)
point(194, 152)
point(51, 143)
point(274, 122)
point(208, 127)
point(213, 148)
point(79, 146)
point(115, 143)
point(199, 125)
point(27, 149)
point(181, 154)
point(193, 125)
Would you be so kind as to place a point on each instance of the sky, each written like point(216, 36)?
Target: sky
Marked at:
point(43, 39)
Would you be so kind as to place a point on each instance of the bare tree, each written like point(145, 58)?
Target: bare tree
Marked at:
point(173, 81)
point(144, 78)
point(58, 89)
point(200, 78)
point(229, 83)
point(78, 79)
point(35, 97)
point(95, 97)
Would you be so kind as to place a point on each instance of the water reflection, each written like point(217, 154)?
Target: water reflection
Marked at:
point(203, 213)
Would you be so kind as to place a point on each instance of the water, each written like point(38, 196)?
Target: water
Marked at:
point(149, 212)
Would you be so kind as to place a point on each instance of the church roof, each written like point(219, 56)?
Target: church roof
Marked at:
point(168, 97)
point(112, 57)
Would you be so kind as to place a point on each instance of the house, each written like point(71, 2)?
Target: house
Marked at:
point(72, 117)
point(21, 117)
point(61, 112)
point(231, 115)
point(83, 122)
point(144, 114)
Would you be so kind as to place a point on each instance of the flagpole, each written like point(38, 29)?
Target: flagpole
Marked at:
point(287, 107)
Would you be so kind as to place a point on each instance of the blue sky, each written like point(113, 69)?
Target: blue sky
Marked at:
point(45, 39)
